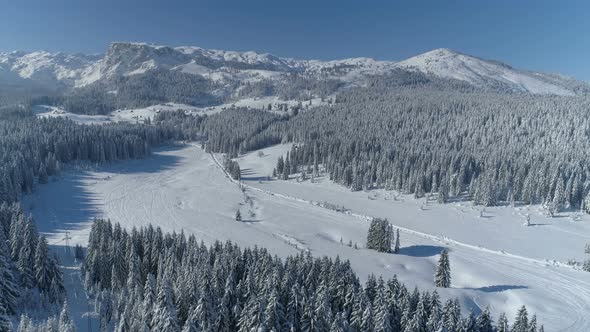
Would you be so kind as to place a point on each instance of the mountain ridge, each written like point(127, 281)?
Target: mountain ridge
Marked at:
point(131, 58)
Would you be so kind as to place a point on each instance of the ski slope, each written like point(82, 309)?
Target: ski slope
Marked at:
point(183, 188)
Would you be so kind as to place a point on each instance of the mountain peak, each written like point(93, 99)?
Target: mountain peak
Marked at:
point(442, 52)
point(450, 64)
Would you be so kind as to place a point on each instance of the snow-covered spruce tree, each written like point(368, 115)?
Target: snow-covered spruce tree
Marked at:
point(502, 325)
point(5, 324)
point(521, 322)
point(586, 203)
point(484, 321)
point(9, 291)
point(286, 169)
point(380, 235)
point(165, 318)
point(442, 277)
point(396, 246)
point(25, 323)
point(65, 322)
point(42, 268)
point(280, 166)
point(533, 323)
point(232, 167)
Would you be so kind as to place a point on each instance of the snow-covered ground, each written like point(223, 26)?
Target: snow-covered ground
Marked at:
point(141, 114)
point(123, 115)
point(183, 188)
point(501, 229)
point(44, 111)
point(136, 115)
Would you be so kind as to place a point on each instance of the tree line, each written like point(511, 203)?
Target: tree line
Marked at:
point(145, 280)
point(487, 147)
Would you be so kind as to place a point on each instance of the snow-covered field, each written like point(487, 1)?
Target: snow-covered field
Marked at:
point(183, 188)
point(501, 229)
point(124, 115)
point(44, 111)
point(142, 114)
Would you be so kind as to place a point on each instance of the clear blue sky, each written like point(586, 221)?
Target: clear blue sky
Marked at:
point(552, 36)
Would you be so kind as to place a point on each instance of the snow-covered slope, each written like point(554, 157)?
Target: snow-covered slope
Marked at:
point(48, 68)
point(125, 58)
point(446, 63)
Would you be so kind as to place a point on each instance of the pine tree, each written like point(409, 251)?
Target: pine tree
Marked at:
point(274, 316)
point(418, 323)
point(521, 323)
point(356, 316)
point(224, 320)
point(25, 323)
point(8, 287)
point(533, 324)
point(252, 316)
point(339, 324)
point(191, 324)
point(294, 309)
point(469, 323)
point(380, 235)
point(65, 322)
point(26, 254)
point(286, 169)
point(368, 318)
point(382, 316)
point(396, 247)
point(442, 277)
point(484, 321)
point(149, 299)
point(43, 177)
point(406, 317)
point(502, 325)
point(165, 319)
point(42, 269)
point(451, 318)
point(134, 277)
point(558, 197)
point(203, 312)
point(322, 311)
point(5, 324)
point(280, 165)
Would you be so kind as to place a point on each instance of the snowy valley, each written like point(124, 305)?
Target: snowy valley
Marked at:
point(180, 188)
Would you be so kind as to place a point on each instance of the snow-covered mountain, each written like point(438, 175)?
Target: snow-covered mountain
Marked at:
point(46, 67)
point(454, 65)
point(125, 59)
